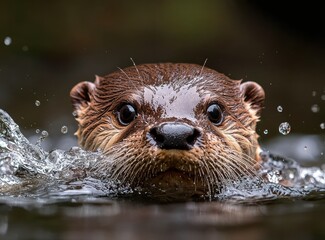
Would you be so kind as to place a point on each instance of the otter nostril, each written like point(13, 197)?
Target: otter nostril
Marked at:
point(191, 139)
point(157, 136)
point(174, 136)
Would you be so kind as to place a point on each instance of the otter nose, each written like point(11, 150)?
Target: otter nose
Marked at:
point(174, 136)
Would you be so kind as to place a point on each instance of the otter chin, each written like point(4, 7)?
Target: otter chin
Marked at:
point(171, 131)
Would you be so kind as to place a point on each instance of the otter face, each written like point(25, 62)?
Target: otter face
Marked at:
point(171, 129)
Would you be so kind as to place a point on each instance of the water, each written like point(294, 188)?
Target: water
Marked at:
point(57, 195)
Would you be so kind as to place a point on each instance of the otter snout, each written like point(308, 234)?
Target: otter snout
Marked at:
point(173, 135)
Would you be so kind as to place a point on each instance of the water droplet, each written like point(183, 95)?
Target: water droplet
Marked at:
point(314, 93)
point(279, 108)
point(3, 144)
point(37, 103)
point(45, 134)
point(64, 129)
point(291, 174)
point(274, 176)
point(284, 128)
point(7, 41)
point(266, 131)
point(25, 48)
point(322, 125)
point(315, 108)
point(74, 113)
point(37, 131)
point(323, 97)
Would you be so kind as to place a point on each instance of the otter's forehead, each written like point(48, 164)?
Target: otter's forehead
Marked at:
point(173, 101)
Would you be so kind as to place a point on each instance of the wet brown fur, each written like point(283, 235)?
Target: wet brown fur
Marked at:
point(223, 153)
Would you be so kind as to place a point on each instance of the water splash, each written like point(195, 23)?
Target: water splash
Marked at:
point(28, 170)
point(25, 167)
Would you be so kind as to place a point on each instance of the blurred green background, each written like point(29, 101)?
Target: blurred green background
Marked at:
point(56, 44)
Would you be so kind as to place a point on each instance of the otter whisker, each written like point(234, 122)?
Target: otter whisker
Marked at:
point(250, 165)
point(226, 164)
point(133, 167)
point(249, 161)
point(127, 172)
point(218, 175)
point(122, 166)
point(137, 171)
point(230, 167)
point(124, 72)
point(202, 175)
point(136, 68)
point(122, 171)
point(240, 166)
point(205, 61)
point(206, 180)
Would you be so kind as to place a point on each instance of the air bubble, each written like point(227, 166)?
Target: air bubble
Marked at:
point(266, 131)
point(37, 131)
point(37, 103)
point(279, 108)
point(323, 97)
point(7, 41)
point(305, 148)
point(64, 129)
point(284, 128)
point(314, 93)
point(315, 108)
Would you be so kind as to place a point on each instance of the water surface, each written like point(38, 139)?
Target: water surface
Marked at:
point(55, 195)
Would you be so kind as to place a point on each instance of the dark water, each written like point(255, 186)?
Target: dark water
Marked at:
point(55, 195)
point(89, 218)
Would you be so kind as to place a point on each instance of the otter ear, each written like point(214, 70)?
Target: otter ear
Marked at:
point(254, 95)
point(81, 94)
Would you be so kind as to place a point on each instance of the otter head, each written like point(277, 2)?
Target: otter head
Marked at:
point(177, 130)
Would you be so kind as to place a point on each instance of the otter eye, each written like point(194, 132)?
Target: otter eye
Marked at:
point(215, 113)
point(126, 114)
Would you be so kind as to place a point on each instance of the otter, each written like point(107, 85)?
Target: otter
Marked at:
point(173, 130)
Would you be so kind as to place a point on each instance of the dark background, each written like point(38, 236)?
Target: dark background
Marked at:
point(56, 44)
